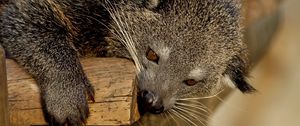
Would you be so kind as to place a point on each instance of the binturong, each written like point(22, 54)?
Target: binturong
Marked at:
point(182, 49)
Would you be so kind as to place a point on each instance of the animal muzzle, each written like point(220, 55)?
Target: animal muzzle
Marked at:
point(149, 102)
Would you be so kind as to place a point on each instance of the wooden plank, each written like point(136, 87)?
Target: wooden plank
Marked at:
point(4, 121)
point(113, 82)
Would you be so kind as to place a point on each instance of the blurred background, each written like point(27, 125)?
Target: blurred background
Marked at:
point(276, 76)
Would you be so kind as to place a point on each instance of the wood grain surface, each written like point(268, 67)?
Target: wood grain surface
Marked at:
point(112, 79)
point(4, 121)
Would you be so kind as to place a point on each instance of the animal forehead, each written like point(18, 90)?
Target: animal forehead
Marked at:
point(184, 52)
point(163, 50)
point(197, 73)
point(194, 63)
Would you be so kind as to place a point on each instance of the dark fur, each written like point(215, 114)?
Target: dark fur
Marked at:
point(47, 37)
point(237, 72)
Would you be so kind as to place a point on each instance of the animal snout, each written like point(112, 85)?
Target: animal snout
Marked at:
point(149, 102)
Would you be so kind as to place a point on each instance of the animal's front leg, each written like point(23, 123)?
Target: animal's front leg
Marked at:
point(39, 38)
point(64, 91)
point(50, 58)
point(63, 84)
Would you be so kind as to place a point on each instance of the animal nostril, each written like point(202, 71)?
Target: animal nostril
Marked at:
point(147, 97)
point(144, 93)
point(147, 103)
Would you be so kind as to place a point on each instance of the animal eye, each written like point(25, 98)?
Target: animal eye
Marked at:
point(152, 56)
point(190, 82)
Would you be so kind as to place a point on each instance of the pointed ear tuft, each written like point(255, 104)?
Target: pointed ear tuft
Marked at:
point(243, 85)
point(236, 70)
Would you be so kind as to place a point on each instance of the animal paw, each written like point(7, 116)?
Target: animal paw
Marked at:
point(68, 104)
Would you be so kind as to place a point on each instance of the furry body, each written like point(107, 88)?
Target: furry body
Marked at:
point(199, 40)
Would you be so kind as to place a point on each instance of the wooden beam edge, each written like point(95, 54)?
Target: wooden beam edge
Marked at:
point(112, 79)
point(4, 120)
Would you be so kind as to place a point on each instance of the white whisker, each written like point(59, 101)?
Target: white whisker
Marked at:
point(122, 33)
point(202, 108)
point(194, 116)
point(170, 114)
point(180, 117)
point(166, 114)
point(186, 118)
point(192, 110)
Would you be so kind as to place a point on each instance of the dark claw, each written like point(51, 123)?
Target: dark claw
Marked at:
point(91, 98)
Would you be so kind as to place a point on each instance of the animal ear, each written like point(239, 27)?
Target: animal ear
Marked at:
point(235, 75)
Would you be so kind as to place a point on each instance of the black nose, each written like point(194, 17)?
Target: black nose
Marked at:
point(150, 103)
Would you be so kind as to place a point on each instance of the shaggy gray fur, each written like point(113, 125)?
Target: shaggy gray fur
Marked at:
point(47, 37)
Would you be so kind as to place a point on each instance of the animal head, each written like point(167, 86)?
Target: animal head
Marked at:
point(183, 49)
